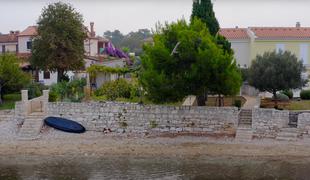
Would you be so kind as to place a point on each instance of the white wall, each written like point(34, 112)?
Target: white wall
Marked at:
point(22, 44)
point(48, 82)
point(241, 51)
point(91, 47)
point(9, 47)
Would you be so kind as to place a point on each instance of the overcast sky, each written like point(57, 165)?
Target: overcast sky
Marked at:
point(130, 15)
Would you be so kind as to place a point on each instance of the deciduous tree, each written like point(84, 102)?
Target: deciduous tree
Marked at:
point(59, 45)
point(10, 73)
point(273, 72)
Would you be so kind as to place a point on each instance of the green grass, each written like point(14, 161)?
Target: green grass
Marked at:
point(299, 105)
point(9, 101)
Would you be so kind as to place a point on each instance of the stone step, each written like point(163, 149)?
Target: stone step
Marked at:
point(293, 130)
point(288, 134)
point(244, 134)
point(286, 138)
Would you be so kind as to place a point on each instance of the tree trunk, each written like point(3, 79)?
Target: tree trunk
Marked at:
point(60, 75)
point(201, 100)
point(1, 95)
point(220, 100)
point(275, 99)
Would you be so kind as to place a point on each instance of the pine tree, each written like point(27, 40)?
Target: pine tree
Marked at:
point(203, 9)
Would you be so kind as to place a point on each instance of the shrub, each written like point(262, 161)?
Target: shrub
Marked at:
point(282, 97)
point(305, 94)
point(237, 103)
point(119, 88)
point(35, 90)
point(52, 97)
point(72, 91)
point(288, 93)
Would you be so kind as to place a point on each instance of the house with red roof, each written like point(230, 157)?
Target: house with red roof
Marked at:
point(20, 43)
point(247, 43)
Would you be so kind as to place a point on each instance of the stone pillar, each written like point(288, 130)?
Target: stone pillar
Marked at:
point(45, 100)
point(24, 95)
point(25, 102)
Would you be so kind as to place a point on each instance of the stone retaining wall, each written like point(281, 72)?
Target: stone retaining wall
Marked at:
point(129, 117)
point(268, 122)
point(304, 122)
point(6, 115)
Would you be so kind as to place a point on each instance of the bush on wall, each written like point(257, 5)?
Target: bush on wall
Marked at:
point(112, 90)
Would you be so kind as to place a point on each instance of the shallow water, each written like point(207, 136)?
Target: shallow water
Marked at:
point(152, 168)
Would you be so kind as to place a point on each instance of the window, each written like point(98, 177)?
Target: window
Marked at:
point(29, 45)
point(304, 53)
point(280, 47)
point(3, 48)
point(46, 75)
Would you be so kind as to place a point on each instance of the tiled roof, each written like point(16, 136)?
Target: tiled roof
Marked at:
point(29, 31)
point(234, 33)
point(8, 38)
point(281, 32)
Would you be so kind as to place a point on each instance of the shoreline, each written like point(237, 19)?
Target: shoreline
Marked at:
point(101, 145)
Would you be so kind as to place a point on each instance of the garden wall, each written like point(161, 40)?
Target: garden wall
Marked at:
point(6, 115)
point(304, 122)
point(130, 117)
point(268, 122)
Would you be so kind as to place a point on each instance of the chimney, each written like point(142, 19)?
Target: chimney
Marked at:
point(92, 32)
point(11, 32)
point(298, 25)
point(236, 27)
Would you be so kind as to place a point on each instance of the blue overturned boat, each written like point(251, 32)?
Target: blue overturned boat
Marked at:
point(64, 124)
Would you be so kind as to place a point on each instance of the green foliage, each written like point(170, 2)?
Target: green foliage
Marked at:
point(224, 44)
point(94, 69)
point(282, 97)
point(203, 9)
point(72, 91)
point(153, 124)
point(288, 93)
point(11, 76)
point(198, 66)
point(244, 74)
point(274, 72)
point(119, 88)
point(237, 103)
point(35, 90)
point(126, 50)
point(305, 94)
point(59, 45)
point(52, 97)
point(9, 101)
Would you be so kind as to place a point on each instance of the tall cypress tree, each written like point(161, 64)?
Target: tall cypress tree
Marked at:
point(203, 9)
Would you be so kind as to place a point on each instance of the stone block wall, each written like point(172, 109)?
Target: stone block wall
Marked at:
point(304, 122)
point(130, 117)
point(268, 122)
point(6, 115)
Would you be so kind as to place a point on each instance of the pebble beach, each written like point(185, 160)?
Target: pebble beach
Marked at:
point(55, 142)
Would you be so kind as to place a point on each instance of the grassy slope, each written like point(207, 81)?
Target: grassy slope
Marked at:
point(9, 101)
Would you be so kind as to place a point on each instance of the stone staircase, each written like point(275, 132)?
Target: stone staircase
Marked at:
point(244, 131)
point(30, 130)
point(288, 134)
